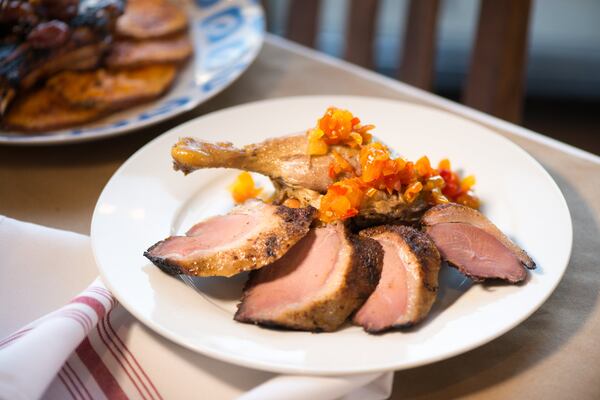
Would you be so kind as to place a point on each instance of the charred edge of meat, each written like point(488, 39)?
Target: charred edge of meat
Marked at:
point(485, 280)
point(521, 254)
point(408, 215)
point(420, 244)
point(367, 260)
point(164, 264)
point(474, 278)
point(364, 272)
point(297, 216)
point(428, 257)
point(363, 276)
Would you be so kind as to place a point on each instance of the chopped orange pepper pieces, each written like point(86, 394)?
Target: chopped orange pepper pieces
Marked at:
point(379, 171)
point(243, 188)
point(337, 127)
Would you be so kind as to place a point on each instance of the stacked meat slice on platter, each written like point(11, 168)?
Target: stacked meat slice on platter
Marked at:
point(378, 268)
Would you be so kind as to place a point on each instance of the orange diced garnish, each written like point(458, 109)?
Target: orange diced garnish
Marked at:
point(412, 191)
point(371, 192)
point(243, 188)
point(379, 171)
point(467, 183)
point(468, 199)
point(438, 197)
point(340, 164)
point(424, 167)
point(316, 143)
point(445, 164)
point(292, 203)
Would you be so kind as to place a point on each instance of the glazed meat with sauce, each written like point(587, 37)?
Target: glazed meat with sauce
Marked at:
point(317, 285)
point(474, 245)
point(409, 280)
point(251, 236)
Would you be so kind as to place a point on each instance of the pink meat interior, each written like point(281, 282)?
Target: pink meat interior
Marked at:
point(476, 251)
point(389, 300)
point(298, 276)
point(213, 233)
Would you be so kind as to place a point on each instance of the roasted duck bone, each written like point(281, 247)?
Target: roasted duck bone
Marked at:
point(474, 245)
point(284, 160)
point(251, 236)
point(316, 285)
point(409, 280)
point(295, 174)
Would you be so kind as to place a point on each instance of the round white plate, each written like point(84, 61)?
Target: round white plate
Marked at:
point(227, 36)
point(145, 201)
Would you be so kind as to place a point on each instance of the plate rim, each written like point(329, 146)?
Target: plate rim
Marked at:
point(278, 367)
point(60, 137)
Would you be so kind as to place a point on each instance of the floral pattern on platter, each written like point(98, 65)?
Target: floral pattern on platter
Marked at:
point(227, 36)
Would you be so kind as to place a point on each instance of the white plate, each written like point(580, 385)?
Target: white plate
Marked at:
point(227, 36)
point(146, 200)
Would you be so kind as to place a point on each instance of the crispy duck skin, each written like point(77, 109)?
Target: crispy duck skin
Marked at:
point(409, 280)
point(474, 245)
point(251, 236)
point(317, 285)
point(284, 159)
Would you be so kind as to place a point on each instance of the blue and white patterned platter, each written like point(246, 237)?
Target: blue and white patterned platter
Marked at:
point(227, 36)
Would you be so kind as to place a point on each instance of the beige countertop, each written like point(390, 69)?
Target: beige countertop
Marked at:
point(555, 354)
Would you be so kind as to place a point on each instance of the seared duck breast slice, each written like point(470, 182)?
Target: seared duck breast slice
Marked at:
point(474, 245)
point(409, 279)
point(251, 236)
point(316, 285)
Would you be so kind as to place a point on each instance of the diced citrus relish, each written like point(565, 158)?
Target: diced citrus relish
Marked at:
point(243, 188)
point(380, 172)
point(339, 127)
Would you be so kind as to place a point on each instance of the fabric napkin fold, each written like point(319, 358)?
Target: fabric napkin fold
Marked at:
point(92, 348)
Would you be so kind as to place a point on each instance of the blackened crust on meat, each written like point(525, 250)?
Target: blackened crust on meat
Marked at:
point(425, 249)
point(297, 215)
point(163, 263)
point(329, 313)
point(271, 245)
point(367, 261)
point(423, 268)
point(465, 272)
point(420, 244)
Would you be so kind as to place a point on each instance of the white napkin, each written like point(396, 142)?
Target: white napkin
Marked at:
point(92, 348)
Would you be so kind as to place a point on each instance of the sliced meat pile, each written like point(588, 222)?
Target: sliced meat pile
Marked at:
point(317, 284)
point(251, 236)
point(474, 245)
point(409, 280)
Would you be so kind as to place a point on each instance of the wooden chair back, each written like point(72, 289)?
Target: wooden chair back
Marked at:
point(496, 75)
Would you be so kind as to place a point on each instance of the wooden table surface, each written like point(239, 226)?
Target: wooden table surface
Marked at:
point(555, 354)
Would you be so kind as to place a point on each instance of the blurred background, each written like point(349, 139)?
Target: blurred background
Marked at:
point(561, 68)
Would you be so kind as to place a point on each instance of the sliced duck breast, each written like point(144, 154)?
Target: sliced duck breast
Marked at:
point(317, 284)
point(251, 236)
point(474, 245)
point(409, 279)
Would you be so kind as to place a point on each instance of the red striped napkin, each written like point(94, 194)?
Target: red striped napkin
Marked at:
point(92, 348)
